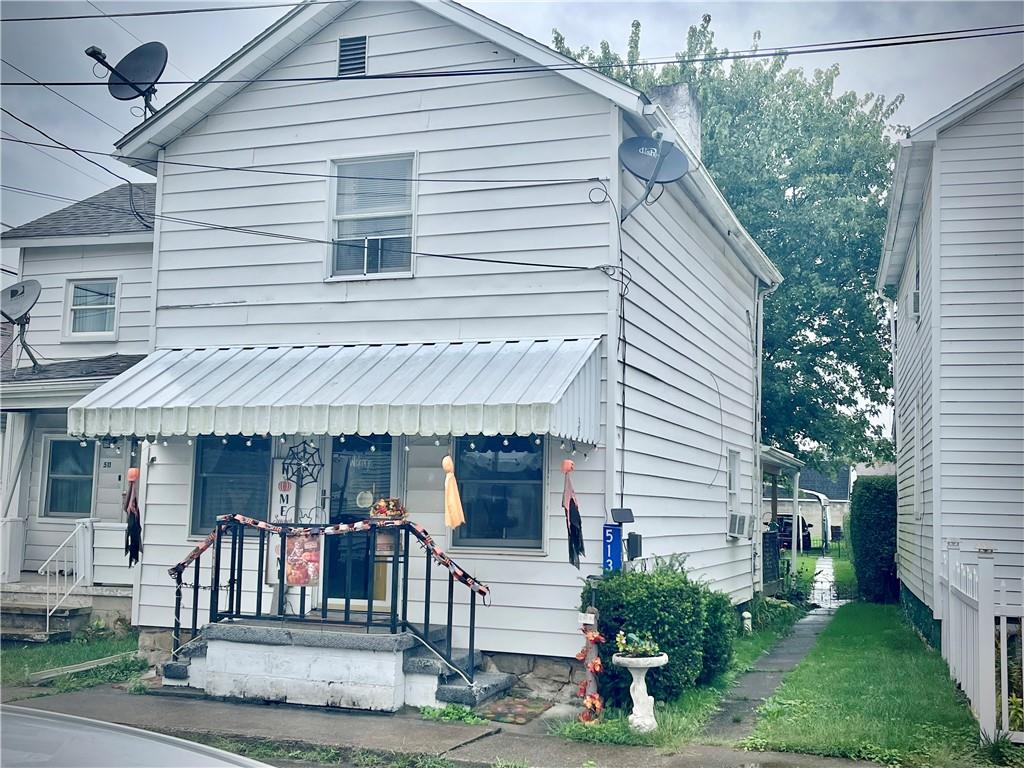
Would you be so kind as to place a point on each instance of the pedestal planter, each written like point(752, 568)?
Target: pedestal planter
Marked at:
point(642, 718)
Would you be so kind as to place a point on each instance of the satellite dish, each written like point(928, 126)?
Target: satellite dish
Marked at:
point(654, 160)
point(18, 300)
point(138, 72)
point(136, 75)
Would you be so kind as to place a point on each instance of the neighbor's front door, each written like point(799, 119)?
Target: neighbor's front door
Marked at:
point(360, 474)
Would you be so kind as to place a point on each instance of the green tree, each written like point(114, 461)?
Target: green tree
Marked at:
point(807, 170)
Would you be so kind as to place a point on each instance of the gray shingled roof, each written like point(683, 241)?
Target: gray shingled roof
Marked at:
point(107, 213)
point(837, 489)
point(96, 368)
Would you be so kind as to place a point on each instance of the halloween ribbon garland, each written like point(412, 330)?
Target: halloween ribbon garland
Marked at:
point(425, 540)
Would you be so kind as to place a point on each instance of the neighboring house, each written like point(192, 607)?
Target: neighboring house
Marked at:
point(453, 289)
point(92, 322)
point(954, 259)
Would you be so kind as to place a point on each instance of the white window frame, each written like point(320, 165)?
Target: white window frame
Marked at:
point(733, 481)
point(333, 218)
point(44, 491)
point(67, 334)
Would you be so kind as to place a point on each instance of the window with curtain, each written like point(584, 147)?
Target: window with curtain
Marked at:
point(501, 481)
point(373, 217)
point(69, 477)
point(93, 306)
point(231, 478)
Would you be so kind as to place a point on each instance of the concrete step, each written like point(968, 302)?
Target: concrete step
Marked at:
point(32, 616)
point(29, 635)
point(424, 662)
point(486, 686)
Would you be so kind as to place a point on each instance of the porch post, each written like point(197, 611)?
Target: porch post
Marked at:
point(795, 529)
point(83, 550)
point(775, 497)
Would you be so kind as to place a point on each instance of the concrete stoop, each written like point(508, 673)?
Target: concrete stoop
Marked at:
point(327, 668)
point(25, 621)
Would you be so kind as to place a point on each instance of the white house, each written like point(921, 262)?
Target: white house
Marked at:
point(406, 263)
point(954, 258)
point(93, 320)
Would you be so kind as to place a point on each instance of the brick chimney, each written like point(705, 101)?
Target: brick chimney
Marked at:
point(682, 104)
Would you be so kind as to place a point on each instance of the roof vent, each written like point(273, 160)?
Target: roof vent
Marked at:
point(352, 56)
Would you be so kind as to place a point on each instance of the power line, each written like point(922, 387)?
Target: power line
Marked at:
point(75, 104)
point(130, 33)
point(488, 71)
point(313, 175)
point(605, 268)
point(170, 12)
point(52, 157)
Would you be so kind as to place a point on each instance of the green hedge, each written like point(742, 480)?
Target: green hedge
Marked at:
point(693, 625)
point(873, 537)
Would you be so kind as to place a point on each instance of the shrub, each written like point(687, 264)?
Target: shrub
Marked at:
point(719, 631)
point(663, 602)
point(769, 613)
point(873, 537)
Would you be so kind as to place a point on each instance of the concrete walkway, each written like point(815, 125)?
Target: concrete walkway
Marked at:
point(737, 716)
point(466, 746)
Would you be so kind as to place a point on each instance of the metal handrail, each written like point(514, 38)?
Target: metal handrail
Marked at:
point(65, 566)
point(396, 617)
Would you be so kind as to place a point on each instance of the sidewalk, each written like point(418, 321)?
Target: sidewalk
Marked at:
point(738, 714)
point(466, 746)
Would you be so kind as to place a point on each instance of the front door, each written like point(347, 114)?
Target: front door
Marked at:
point(360, 474)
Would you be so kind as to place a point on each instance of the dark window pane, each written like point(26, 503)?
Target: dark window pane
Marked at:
point(69, 457)
point(231, 479)
point(395, 254)
point(502, 488)
point(349, 257)
point(94, 294)
point(372, 256)
point(70, 496)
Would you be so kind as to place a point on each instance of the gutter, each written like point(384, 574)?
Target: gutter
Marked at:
point(705, 194)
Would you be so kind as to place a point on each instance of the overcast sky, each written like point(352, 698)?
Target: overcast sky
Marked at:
point(931, 76)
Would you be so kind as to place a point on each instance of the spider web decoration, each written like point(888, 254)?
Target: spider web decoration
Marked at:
point(302, 465)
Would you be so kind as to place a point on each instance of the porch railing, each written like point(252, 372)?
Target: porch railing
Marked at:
point(387, 548)
point(981, 639)
point(67, 567)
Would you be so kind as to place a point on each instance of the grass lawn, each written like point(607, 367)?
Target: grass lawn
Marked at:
point(872, 690)
point(846, 579)
point(17, 660)
point(681, 720)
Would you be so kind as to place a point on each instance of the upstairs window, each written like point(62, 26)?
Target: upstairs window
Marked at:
point(352, 56)
point(373, 217)
point(92, 307)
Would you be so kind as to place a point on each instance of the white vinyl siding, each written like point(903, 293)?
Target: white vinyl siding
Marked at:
point(982, 334)
point(50, 331)
point(913, 414)
point(470, 133)
point(689, 387)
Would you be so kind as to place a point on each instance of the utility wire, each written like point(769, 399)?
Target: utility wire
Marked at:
point(11, 137)
point(605, 268)
point(310, 175)
point(170, 12)
point(75, 104)
point(131, 34)
point(488, 71)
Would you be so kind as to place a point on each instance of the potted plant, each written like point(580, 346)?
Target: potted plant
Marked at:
point(387, 509)
point(639, 653)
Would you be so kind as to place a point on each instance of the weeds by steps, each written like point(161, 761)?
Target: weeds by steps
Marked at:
point(452, 713)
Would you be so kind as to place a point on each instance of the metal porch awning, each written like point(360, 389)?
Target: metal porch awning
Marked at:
point(460, 388)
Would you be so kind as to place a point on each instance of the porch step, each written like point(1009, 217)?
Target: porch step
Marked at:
point(421, 661)
point(27, 621)
point(486, 686)
point(28, 635)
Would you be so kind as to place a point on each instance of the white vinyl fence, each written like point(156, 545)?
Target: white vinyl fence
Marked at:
point(981, 640)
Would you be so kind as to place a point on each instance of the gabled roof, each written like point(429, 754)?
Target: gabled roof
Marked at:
point(142, 145)
point(107, 213)
point(913, 169)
